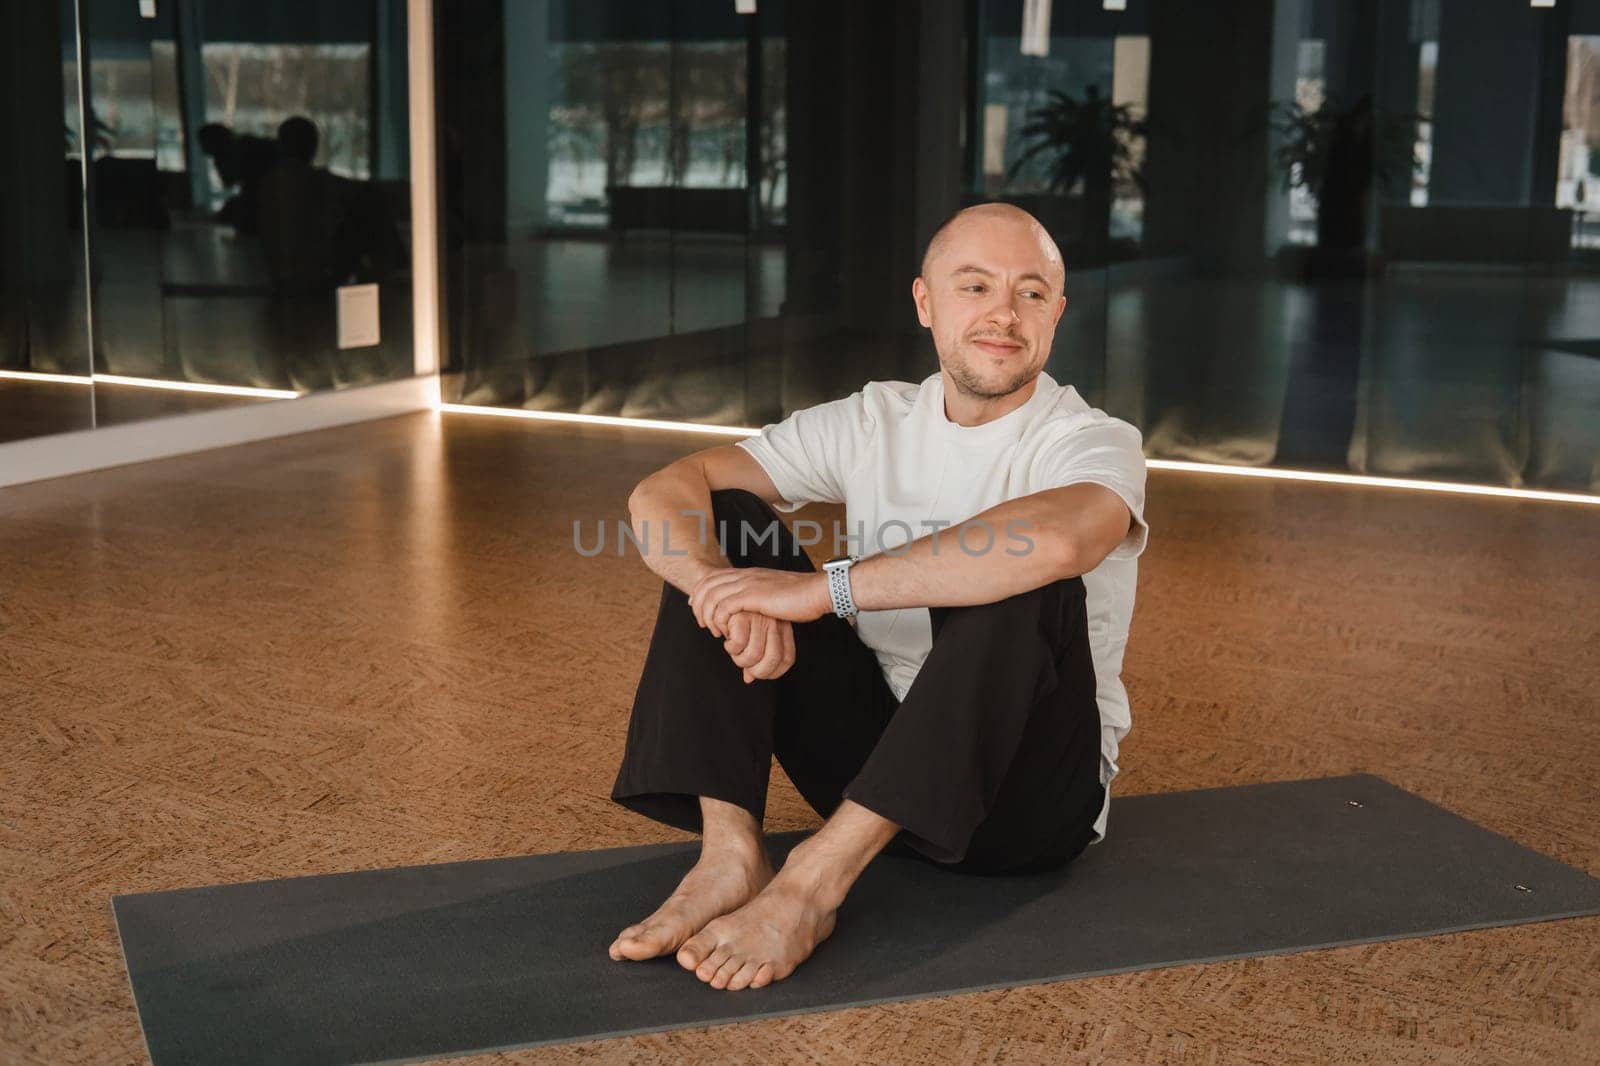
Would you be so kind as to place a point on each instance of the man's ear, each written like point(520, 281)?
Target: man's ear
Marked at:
point(1061, 305)
point(919, 296)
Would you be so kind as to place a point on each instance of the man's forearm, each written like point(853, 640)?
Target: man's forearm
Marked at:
point(1010, 548)
point(656, 516)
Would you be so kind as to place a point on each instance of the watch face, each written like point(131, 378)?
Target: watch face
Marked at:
point(837, 559)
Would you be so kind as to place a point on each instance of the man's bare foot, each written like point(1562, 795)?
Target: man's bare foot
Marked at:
point(763, 941)
point(720, 882)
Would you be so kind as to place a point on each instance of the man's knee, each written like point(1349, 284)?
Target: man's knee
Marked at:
point(1032, 603)
point(1066, 590)
point(737, 494)
point(1056, 611)
point(749, 532)
point(739, 502)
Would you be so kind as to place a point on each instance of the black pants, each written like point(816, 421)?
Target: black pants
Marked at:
point(991, 764)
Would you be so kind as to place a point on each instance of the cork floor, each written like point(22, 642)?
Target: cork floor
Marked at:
point(376, 646)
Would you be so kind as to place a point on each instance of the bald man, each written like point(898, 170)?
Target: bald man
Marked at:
point(946, 689)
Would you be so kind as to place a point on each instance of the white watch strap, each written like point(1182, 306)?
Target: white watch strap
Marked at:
point(844, 605)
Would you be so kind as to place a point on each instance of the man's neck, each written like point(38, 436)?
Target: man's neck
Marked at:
point(969, 411)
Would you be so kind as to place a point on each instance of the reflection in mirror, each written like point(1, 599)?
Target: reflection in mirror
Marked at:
point(1363, 245)
point(44, 329)
point(700, 211)
point(1331, 235)
point(250, 201)
point(680, 210)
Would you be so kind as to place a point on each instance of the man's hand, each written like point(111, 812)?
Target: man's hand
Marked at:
point(779, 594)
point(762, 646)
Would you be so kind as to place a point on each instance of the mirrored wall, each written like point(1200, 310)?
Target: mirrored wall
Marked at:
point(236, 176)
point(44, 302)
point(1339, 235)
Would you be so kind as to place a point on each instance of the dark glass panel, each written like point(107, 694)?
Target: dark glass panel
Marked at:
point(44, 326)
point(255, 165)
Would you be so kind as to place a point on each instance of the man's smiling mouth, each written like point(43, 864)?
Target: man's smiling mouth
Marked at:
point(997, 347)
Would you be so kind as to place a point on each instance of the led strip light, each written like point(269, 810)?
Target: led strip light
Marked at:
point(744, 431)
point(37, 375)
point(597, 420)
point(1364, 479)
point(1154, 464)
point(195, 386)
point(150, 383)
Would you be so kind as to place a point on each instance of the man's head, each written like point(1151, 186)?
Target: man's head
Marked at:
point(297, 139)
point(991, 292)
point(214, 138)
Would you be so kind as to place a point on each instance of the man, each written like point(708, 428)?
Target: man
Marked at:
point(971, 717)
point(241, 159)
point(299, 214)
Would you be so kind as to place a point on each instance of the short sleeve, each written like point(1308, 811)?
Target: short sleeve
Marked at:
point(810, 454)
point(1105, 451)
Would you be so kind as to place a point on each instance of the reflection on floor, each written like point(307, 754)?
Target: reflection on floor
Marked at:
point(131, 403)
point(1453, 374)
point(1459, 374)
point(374, 646)
point(34, 408)
point(533, 297)
point(195, 303)
point(1436, 374)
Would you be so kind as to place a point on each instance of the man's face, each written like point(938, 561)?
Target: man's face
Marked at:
point(991, 297)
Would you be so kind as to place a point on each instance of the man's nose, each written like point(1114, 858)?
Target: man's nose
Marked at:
point(1003, 313)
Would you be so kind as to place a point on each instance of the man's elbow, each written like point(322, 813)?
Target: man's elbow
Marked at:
point(666, 480)
point(1082, 548)
point(1066, 554)
point(636, 497)
point(1076, 550)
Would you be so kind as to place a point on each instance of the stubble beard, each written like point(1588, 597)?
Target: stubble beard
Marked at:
point(971, 383)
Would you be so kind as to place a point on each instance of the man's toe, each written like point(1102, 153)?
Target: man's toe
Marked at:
point(747, 973)
point(726, 971)
point(641, 942)
point(693, 953)
point(713, 962)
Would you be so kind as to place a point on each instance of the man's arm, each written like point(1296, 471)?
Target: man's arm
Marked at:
point(686, 485)
point(1037, 539)
point(1013, 547)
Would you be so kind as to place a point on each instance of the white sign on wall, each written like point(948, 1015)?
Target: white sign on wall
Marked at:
point(358, 315)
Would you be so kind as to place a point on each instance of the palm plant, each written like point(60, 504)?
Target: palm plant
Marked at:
point(1088, 142)
point(1337, 153)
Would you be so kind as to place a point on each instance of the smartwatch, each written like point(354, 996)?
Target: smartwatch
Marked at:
point(838, 571)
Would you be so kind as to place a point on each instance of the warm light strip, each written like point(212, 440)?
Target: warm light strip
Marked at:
point(36, 375)
point(195, 386)
point(151, 383)
point(1363, 479)
point(598, 420)
point(425, 273)
point(1154, 464)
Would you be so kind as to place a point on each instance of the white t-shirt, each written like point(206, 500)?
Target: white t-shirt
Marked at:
point(889, 454)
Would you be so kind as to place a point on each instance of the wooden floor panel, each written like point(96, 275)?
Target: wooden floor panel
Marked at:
point(376, 646)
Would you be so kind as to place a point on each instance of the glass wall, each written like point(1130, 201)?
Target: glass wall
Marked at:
point(1337, 235)
point(44, 324)
point(248, 206)
point(255, 164)
point(602, 164)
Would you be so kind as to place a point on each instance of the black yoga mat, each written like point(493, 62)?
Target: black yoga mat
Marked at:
point(425, 961)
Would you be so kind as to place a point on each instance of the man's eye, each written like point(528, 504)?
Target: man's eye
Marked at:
point(973, 288)
point(1035, 295)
